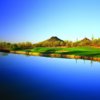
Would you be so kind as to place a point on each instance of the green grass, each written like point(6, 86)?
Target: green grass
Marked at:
point(84, 51)
point(81, 51)
point(43, 49)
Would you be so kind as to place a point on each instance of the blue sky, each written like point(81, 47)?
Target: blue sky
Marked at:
point(37, 20)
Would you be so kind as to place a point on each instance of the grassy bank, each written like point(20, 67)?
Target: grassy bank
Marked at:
point(79, 51)
point(89, 53)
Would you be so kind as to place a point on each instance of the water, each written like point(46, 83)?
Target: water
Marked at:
point(41, 78)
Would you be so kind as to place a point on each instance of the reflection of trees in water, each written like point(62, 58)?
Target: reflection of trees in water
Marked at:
point(3, 54)
point(91, 62)
point(84, 60)
point(76, 60)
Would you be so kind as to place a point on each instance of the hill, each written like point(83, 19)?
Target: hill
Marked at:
point(51, 42)
point(53, 39)
point(85, 40)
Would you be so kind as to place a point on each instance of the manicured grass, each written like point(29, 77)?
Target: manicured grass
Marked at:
point(81, 51)
point(44, 49)
point(84, 51)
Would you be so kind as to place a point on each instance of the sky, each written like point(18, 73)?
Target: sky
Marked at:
point(38, 20)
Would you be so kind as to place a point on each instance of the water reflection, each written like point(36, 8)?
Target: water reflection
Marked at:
point(3, 54)
point(91, 61)
point(45, 78)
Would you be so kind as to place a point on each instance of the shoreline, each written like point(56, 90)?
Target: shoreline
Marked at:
point(56, 55)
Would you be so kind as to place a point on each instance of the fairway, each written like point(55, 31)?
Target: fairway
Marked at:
point(81, 51)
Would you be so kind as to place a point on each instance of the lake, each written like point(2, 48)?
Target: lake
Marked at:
point(43, 78)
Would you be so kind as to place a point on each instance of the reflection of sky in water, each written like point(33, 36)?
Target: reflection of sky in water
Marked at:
point(52, 77)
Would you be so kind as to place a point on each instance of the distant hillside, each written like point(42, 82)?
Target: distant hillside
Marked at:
point(56, 42)
point(85, 40)
point(51, 42)
point(53, 39)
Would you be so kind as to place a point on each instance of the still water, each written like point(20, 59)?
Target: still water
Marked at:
point(41, 78)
